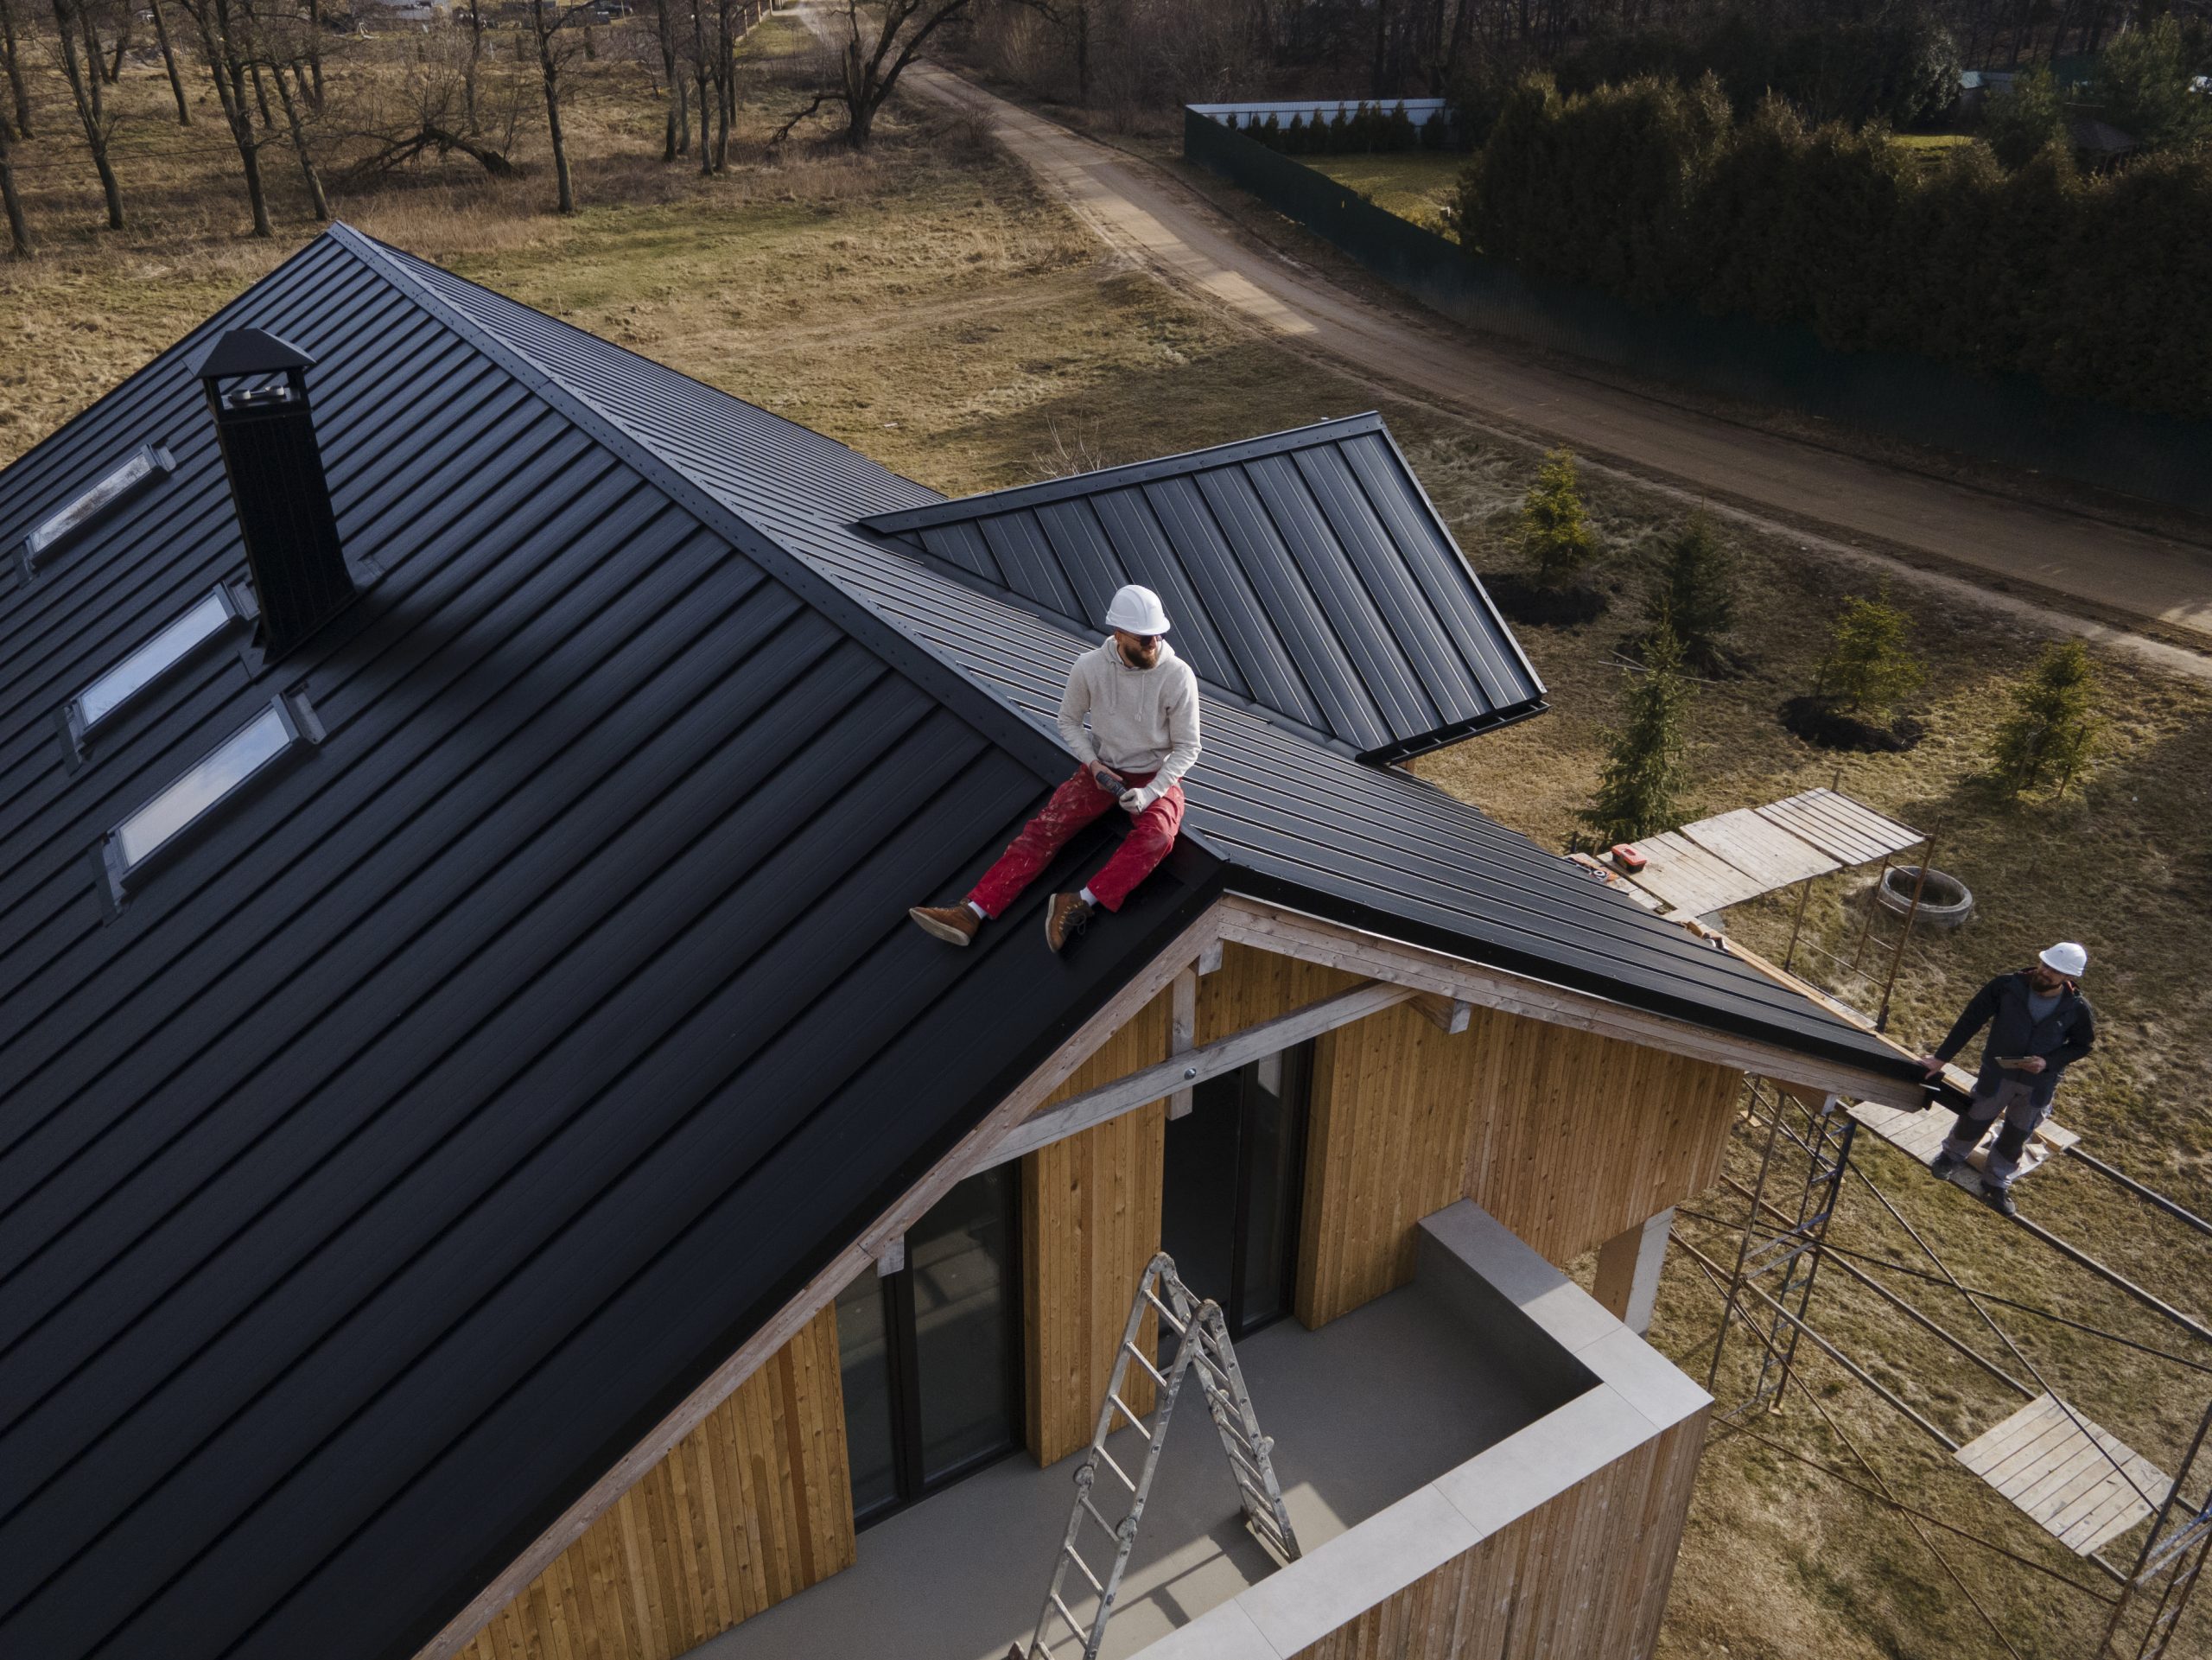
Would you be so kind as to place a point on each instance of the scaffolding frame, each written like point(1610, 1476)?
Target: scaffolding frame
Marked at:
point(1805, 1145)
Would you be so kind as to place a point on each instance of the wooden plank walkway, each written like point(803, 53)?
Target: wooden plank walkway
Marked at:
point(1716, 862)
point(2076, 1481)
point(1920, 1134)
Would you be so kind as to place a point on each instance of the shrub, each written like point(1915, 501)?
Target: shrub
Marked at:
point(1639, 787)
point(2143, 82)
point(1869, 669)
point(1339, 135)
point(1554, 533)
point(2053, 727)
point(1435, 132)
point(1271, 132)
point(1696, 595)
point(1398, 131)
point(2027, 120)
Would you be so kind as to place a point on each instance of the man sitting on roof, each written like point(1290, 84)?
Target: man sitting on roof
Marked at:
point(1142, 701)
point(2039, 1024)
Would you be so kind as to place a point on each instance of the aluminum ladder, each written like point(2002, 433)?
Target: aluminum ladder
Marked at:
point(1204, 1349)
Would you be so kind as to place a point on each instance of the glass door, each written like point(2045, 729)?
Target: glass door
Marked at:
point(931, 1354)
point(1235, 1166)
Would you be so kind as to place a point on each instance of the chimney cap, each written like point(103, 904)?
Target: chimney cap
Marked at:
point(251, 352)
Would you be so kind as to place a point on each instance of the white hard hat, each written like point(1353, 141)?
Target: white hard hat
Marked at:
point(1138, 610)
point(2066, 957)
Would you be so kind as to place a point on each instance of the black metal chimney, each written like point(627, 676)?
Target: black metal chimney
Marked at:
point(256, 386)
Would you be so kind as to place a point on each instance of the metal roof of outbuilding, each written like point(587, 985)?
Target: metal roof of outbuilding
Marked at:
point(427, 1129)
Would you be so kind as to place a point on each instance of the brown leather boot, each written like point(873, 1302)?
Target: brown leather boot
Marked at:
point(955, 925)
point(1065, 916)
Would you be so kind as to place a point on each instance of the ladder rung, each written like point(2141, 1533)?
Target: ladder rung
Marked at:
point(1111, 1533)
point(1083, 1568)
point(1130, 1350)
point(1166, 1312)
point(1133, 1418)
point(1245, 1469)
point(1108, 1457)
point(1068, 1617)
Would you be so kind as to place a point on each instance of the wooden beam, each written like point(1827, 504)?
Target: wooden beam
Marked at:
point(1210, 958)
point(890, 1258)
point(1446, 1013)
point(1182, 1033)
point(1152, 1083)
point(974, 1152)
point(1315, 940)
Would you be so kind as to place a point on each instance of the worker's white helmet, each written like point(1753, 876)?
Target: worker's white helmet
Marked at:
point(1138, 610)
point(2066, 958)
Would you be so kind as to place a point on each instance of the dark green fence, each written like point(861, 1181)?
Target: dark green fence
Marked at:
point(2011, 420)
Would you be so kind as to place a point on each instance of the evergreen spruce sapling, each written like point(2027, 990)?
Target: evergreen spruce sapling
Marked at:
point(1639, 788)
point(2026, 120)
point(1293, 137)
point(1696, 595)
point(1869, 668)
point(1554, 533)
point(2052, 728)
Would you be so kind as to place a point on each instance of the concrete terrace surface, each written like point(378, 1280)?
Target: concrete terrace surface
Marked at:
point(1362, 1412)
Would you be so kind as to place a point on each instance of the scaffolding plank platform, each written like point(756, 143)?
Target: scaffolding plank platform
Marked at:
point(1758, 847)
point(1688, 879)
point(2076, 1481)
point(1849, 832)
point(1920, 1133)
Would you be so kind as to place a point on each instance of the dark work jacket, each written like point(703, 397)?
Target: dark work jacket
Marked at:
point(2061, 1037)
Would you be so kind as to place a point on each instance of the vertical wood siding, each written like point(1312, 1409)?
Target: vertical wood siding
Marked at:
point(1585, 1574)
point(754, 1504)
point(1089, 1223)
point(1566, 1137)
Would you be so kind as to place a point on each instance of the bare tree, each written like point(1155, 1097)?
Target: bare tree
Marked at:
point(556, 27)
point(679, 137)
point(19, 236)
point(424, 113)
point(472, 17)
point(11, 48)
point(168, 62)
point(84, 88)
point(280, 41)
point(869, 68)
point(222, 38)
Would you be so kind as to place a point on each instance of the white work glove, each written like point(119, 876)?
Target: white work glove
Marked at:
point(1136, 801)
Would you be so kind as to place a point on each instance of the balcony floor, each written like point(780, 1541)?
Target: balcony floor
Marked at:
point(1362, 1411)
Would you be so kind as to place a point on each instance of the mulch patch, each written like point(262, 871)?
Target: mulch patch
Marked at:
point(1812, 719)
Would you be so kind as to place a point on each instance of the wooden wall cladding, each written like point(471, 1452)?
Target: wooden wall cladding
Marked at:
point(1251, 986)
point(1089, 1223)
point(1566, 1137)
point(1585, 1573)
point(754, 1505)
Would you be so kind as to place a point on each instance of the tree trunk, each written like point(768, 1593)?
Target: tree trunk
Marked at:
point(214, 17)
point(469, 70)
point(168, 62)
point(314, 54)
point(315, 198)
point(683, 117)
point(85, 90)
point(668, 73)
point(113, 71)
point(1382, 42)
point(261, 97)
point(1082, 55)
point(15, 53)
point(549, 68)
point(19, 236)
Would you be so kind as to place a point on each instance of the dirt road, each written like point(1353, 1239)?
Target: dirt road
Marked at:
point(1854, 507)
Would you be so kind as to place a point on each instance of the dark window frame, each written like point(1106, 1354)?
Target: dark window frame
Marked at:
point(902, 1349)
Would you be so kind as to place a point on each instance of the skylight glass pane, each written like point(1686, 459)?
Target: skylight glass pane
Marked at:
point(230, 764)
point(155, 658)
point(95, 501)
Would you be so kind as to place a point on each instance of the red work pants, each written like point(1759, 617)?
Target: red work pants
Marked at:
point(1075, 804)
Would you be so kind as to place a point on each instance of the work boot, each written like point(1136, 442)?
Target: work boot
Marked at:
point(955, 925)
point(1999, 1199)
point(1945, 1163)
point(1065, 916)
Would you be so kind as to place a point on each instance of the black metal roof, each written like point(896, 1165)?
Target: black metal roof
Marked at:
point(408, 1144)
point(406, 1147)
point(1306, 573)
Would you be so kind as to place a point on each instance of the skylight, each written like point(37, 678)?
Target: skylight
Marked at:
point(86, 508)
point(157, 657)
point(218, 776)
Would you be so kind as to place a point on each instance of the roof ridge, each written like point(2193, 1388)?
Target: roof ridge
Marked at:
point(1000, 722)
point(1016, 497)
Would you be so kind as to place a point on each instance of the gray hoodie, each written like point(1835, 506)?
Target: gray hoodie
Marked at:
point(1141, 719)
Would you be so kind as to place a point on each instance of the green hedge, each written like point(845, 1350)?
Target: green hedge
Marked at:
point(1370, 127)
point(2100, 287)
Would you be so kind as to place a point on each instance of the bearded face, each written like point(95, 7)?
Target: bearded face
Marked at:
point(1138, 651)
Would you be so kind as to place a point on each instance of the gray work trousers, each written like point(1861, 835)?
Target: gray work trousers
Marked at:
point(2010, 1101)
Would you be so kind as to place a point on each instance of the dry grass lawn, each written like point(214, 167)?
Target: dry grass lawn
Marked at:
point(1415, 184)
point(926, 305)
